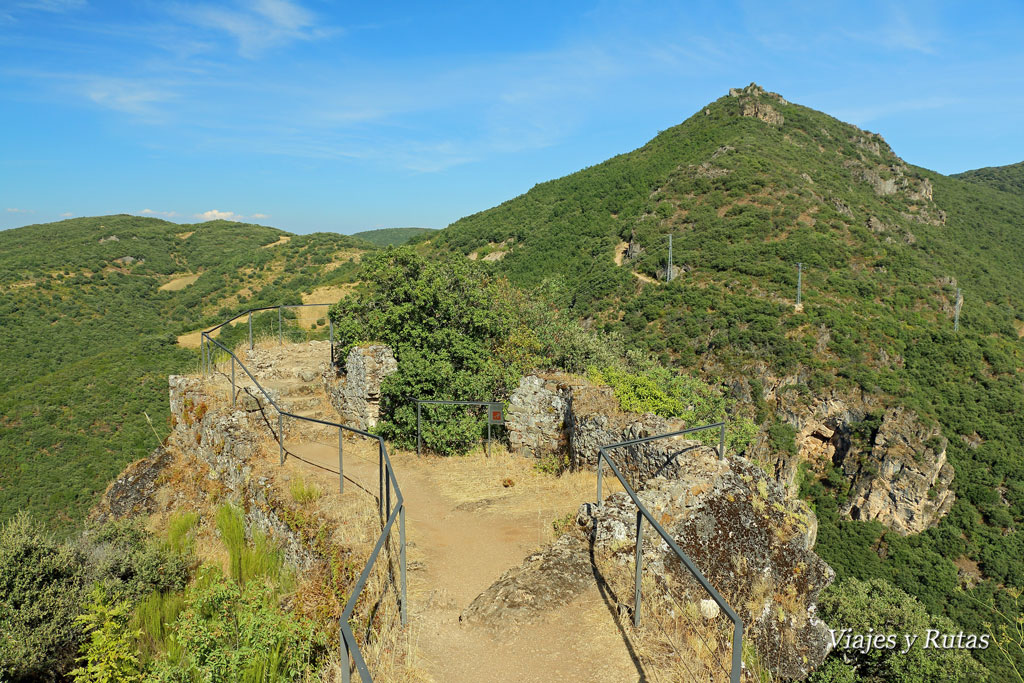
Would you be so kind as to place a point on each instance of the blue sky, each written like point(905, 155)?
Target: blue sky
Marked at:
point(310, 115)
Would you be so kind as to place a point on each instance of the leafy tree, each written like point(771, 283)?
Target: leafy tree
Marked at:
point(109, 655)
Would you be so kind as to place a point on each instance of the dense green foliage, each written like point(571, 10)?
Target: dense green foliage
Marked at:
point(877, 608)
point(1006, 178)
point(657, 390)
point(93, 338)
point(394, 237)
point(44, 583)
point(446, 324)
point(746, 201)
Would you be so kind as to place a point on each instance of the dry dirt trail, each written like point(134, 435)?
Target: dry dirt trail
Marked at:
point(464, 530)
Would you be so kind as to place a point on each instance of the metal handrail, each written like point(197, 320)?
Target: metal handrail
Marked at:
point(643, 512)
point(347, 641)
point(422, 401)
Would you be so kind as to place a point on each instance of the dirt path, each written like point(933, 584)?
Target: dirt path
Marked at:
point(464, 530)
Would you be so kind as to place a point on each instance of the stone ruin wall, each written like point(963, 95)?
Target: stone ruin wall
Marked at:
point(555, 414)
point(355, 393)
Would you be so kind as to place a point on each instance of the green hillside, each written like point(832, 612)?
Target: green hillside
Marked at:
point(385, 237)
point(749, 187)
point(90, 337)
point(1006, 178)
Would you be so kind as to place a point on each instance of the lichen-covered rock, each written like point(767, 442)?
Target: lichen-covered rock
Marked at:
point(546, 579)
point(903, 482)
point(751, 542)
point(132, 492)
point(356, 393)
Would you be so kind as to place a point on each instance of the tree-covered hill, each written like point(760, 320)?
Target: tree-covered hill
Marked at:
point(1006, 178)
point(749, 187)
point(92, 309)
point(385, 237)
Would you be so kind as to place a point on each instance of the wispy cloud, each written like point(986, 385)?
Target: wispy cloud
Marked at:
point(67, 214)
point(259, 215)
point(131, 96)
point(259, 26)
point(151, 212)
point(13, 210)
point(866, 114)
point(50, 5)
point(899, 32)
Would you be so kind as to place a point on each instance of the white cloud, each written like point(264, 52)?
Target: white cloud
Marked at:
point(259, 215)
point(165, 214)
point(14, 210)
point(125, 95)
point(266, 24)
point(216, 215)
point(67, 214)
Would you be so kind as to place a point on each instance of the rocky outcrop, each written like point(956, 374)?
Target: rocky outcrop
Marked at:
point(752, 100)
point(224, 439)
point(132, 492)
point(752, 543)
point(565, 415)
point(899, 475)
point(355, 394)
point(903, 481)
point(546, 579)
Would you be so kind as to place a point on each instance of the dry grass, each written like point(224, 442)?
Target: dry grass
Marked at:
point(675, 641)
point(178, 283)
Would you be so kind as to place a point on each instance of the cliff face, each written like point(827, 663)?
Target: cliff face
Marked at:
point(898, 472)
point(904, 480)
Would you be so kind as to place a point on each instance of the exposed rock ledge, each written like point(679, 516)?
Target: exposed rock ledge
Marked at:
point(737, 525)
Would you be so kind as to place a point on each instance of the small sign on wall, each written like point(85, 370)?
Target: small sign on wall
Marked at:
point(496, 414)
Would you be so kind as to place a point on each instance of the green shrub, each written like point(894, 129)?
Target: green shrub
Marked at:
point(41, 587)
point(261, 559)
point(228, 632)
point(303, 492)
point(885, 609)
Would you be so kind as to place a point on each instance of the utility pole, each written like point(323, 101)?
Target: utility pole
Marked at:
point(799, 283)
point(956, 310)
point(668, 271)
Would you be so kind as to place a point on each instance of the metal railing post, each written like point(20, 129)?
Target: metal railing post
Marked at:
point(341, 471)
point(401, 563)
point(346, 674)
point(280, 435)
point(380, 468)
point(737, 652)
point(233, 394)
point(250, 330)
point(418, 440)
point(280, 333)
point(488, 437)
point(600, 476)
point(331, 337)
point(639, 566)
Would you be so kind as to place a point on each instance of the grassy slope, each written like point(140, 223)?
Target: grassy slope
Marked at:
point(745, 201)
point(392, 236)
point(88, 342)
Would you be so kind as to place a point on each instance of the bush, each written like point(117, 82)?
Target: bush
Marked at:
point(41, 586)
point(885, 609)
point(109, 655)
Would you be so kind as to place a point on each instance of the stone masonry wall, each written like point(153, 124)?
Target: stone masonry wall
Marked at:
point(569, 416)
point(356, 393)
